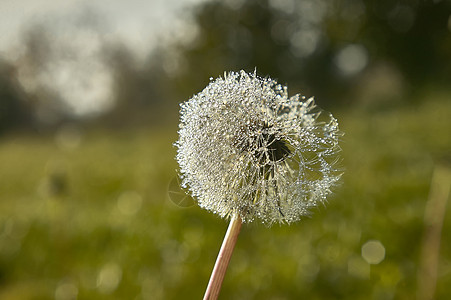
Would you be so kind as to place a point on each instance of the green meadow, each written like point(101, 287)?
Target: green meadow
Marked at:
point(86, 214)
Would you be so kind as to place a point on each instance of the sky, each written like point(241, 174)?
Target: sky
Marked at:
point(130, 20)
point(78, 74)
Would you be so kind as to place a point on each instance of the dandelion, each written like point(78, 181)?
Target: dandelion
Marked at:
point(246, 148)
point(248, 151)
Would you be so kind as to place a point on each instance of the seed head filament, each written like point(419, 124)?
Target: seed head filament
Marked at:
point(267, 149)
point(265, 146)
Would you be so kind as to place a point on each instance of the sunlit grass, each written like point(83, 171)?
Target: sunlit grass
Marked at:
point(92, 219)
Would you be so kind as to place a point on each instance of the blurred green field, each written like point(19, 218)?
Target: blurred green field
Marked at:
point(89, 217)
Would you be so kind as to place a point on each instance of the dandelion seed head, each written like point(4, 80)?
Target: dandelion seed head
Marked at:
point(245, 147)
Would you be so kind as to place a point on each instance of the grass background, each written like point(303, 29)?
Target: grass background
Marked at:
point(86, 214)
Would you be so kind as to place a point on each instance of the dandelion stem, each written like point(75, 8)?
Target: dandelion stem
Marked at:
point(222, 261)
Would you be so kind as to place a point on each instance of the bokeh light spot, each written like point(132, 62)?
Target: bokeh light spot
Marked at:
point(129, 203)
point(373, 252)
point(304, 42)
point(352, 59)
point(109, 277)
point(401, 18)
point(66, 290)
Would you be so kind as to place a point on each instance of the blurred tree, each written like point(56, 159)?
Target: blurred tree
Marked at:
point(414, 35)
point(74, 73)
point(318, 47)
point(341, 51)
point(37, 53)
point(62, 64)
point(14, 110)
point(141, 91)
